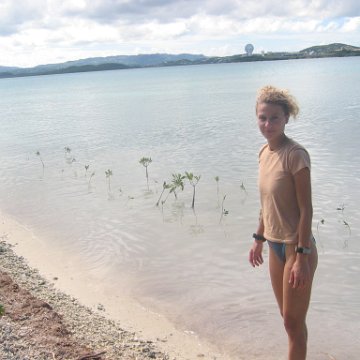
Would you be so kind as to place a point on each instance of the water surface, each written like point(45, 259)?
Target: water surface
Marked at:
point(190, 265)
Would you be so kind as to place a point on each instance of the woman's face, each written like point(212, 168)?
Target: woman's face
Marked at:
point(271, 120)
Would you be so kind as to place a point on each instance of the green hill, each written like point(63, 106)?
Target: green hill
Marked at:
point(335, 49)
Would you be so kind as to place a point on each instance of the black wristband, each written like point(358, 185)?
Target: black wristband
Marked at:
point(258, 237)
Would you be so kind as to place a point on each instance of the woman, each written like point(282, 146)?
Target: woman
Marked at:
point(285, 216)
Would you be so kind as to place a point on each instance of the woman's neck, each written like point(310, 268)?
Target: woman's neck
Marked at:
point(277, 143)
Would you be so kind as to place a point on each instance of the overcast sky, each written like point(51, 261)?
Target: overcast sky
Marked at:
point(34, 32)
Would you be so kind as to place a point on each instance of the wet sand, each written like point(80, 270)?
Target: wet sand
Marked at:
point(89, 321)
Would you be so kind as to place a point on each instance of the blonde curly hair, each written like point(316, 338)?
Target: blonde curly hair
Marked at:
point(272, 95)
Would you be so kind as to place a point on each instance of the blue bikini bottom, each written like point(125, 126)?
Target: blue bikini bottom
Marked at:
point(279, 249)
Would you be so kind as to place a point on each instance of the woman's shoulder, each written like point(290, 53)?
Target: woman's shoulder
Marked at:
point(263, 148)
point(297, 155)
point(293, 145)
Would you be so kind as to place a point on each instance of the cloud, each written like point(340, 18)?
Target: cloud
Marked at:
point(172, 10)
point(65, 29)
point(169, 10)
point(351, 25)
point(13, 15)
point(136, 11)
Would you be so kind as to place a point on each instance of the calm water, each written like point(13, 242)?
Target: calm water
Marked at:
point(191, 266)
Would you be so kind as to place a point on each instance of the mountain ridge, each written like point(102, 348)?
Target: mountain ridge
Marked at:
point(118, 62)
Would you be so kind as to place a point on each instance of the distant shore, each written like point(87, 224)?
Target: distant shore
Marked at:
point(42, 320)
point(166, 60)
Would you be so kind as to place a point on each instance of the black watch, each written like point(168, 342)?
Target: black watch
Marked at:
point(258, 237)
point(303, 250)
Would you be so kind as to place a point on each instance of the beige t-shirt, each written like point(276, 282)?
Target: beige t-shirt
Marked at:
point(280, 210)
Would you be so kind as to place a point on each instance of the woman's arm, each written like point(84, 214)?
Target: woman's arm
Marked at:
point(303, 194)
point(255, 254)
point(300, 271)
point(260, 229)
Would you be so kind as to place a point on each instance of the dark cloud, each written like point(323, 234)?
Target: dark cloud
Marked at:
point(166, 11)
point(336, 8)
point(135, 15)
point(137, 10)
point(7, 29)
point(14, 15)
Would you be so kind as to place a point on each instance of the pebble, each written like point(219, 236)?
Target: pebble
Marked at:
point(87, 327)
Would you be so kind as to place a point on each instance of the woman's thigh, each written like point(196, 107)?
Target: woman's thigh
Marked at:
point(296, 301)
point(276, 269)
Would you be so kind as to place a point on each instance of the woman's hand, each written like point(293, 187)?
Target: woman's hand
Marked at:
point(255, 254)
point(300, 272)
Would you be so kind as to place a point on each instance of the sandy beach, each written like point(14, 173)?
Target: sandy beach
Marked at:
point(54, 310)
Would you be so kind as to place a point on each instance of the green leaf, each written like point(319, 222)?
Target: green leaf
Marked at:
point(145, 161)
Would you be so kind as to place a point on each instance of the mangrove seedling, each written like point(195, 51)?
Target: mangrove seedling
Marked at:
point(346, 242)
point(86, 169)
point(345, 223)
point(67, 154)
point(165, 186)
point(193, 179)
point(217, 188)
point(242, 187)
point(2, 310)
point(224, 212)
point(69, 159)
point(108, 174)
point(91, 176)
point(320, 222)
point(42, 163)
point(341, 208)
point(146, 162)
point(177, 182)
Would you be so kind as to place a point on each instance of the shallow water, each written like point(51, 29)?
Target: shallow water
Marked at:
point(191, 266)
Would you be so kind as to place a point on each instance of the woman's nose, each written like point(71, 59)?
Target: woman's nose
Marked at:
point(267, 123)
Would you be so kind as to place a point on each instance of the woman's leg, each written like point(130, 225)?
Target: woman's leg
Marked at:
point(295, 306)
point(276, 268)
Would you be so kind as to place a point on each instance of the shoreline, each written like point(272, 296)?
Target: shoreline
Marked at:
point(51, 276)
